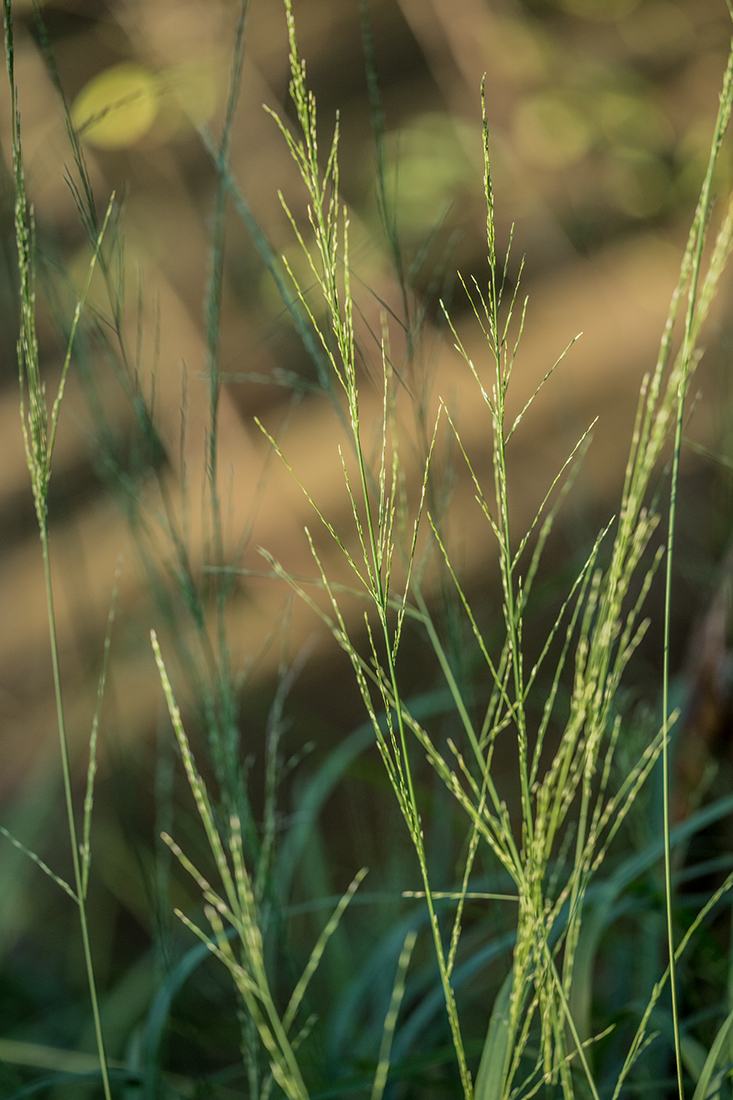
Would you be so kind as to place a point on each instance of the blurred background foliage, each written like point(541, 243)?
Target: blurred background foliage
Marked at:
point(600, 114)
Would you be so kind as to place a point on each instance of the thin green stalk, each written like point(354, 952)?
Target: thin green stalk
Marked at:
point(390, 1021)
point(511, 611)
point(380, 594)
point(214, 291)
point(66, 771)
point(688, 347)
point(39, 436)
point(665, 739)
point(419, 845)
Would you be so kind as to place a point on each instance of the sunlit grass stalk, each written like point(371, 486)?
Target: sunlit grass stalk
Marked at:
point(39, 434)
point(607, 639)
point(720, 256)
point(329, 259)
point(239, 907)
point(527, 867)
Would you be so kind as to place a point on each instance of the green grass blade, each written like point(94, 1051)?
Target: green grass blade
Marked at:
point(390, 1020)
point(496, 1053)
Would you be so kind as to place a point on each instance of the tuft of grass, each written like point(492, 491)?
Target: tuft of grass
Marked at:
point(569, 811)
point(542, 882)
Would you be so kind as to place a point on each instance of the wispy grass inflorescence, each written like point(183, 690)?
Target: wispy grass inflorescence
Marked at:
point(39, 436)
point(238, 911)
point(373, 509)
point(570, 812)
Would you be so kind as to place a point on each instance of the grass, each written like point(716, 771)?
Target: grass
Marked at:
point(486, 980)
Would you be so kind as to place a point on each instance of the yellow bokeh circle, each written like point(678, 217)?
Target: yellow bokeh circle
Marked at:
point(117, 107)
